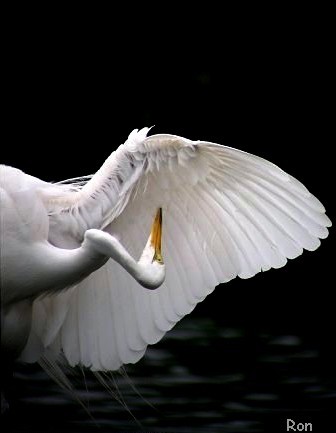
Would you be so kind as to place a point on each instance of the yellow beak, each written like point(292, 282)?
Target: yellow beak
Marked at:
point(156, 234)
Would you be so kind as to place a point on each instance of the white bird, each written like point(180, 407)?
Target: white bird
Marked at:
point(71, 282)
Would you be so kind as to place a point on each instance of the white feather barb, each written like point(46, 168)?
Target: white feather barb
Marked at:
point(225, 214)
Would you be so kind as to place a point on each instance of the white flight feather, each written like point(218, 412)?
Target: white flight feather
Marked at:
point(226, 213)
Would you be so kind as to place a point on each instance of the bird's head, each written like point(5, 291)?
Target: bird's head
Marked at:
point(149, 271)
point(151, 260)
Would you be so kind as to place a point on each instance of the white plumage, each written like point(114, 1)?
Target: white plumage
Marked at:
point(226, 213)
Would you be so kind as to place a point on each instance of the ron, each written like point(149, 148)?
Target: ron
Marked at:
point(293, 426)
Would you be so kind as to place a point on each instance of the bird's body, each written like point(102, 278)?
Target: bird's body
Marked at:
point(30, 265)
point(69, 276)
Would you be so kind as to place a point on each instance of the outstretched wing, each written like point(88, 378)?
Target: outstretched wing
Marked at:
point(226, 213)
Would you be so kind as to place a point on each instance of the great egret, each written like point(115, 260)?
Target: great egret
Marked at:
point(223, 213)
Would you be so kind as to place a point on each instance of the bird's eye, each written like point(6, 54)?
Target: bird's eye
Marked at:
point(158, 258)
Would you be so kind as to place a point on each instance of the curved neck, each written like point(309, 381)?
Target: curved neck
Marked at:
point(147, 272)
point(68, 267)
point(49, 269)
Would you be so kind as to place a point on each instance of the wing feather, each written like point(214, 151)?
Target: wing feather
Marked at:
point(226, 213)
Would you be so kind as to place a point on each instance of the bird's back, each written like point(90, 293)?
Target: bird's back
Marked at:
point(23, 213)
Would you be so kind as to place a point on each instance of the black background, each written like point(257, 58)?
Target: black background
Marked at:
point(75, 93)
point(76, 90)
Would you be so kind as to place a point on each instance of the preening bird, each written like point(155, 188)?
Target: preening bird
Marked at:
point(76, 279)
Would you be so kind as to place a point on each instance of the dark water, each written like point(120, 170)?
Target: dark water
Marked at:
point(202, 377)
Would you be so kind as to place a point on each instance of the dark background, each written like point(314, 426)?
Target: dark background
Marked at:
point(75, 93)
point(73, 98)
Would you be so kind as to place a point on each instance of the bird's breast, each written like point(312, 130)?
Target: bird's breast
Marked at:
point(15, 327)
